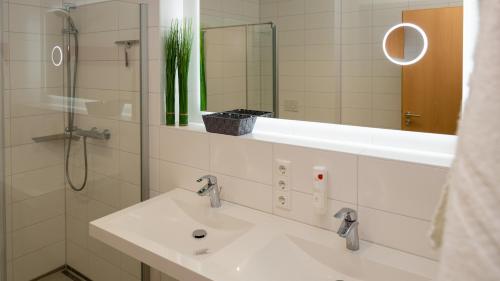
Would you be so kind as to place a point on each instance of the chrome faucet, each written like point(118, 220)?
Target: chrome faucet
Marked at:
point(211, 189)
point(349, 227)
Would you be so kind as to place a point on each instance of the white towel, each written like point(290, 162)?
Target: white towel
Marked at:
point(470, 209)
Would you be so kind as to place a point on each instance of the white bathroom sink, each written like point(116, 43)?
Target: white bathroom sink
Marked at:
point(245, 244)
point(171, 222)
point(296, 259)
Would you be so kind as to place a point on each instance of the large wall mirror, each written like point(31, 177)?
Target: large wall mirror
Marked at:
point(388, 64)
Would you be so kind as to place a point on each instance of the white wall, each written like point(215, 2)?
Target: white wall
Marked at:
point(471, 28)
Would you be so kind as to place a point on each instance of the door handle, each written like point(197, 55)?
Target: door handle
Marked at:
point(408, 116)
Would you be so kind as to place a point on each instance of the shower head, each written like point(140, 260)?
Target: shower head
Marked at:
point(60, 12)
point(64, 12)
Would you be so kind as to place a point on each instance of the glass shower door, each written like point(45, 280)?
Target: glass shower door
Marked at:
point(34, 178)
point(104, 163)
point(72, 120)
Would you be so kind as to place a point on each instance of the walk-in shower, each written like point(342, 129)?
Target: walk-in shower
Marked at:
point(76, 135)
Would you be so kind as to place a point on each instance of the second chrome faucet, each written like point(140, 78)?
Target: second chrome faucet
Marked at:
point(210, 189)
point(349, 227)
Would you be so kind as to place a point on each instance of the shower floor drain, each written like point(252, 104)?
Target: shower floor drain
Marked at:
point(199, 233)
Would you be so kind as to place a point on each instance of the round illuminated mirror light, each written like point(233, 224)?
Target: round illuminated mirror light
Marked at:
point(57, 56)
point(405, 44)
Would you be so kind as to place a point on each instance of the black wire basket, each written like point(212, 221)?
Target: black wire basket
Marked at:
point(227, 123)
point(257, 113)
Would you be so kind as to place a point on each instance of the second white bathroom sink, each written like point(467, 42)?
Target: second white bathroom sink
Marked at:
point(312, 261)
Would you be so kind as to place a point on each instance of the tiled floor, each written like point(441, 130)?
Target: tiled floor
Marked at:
point(57, 276)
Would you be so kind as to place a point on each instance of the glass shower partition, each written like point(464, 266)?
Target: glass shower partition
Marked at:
point(240, 67)
point(74, 139)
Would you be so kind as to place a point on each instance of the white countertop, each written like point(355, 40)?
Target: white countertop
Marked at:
point(413, 147)
point(245, 244)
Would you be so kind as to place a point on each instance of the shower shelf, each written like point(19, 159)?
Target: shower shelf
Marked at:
point(53, 138)
point(93, 133)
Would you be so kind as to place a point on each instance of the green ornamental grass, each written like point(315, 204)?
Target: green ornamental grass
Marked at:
point(171, 52)
point(183, 57)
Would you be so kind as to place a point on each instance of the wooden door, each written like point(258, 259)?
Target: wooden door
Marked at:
point(432, 87)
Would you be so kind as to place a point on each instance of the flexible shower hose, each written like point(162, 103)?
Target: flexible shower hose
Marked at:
point(71, 117)
point(68, 151)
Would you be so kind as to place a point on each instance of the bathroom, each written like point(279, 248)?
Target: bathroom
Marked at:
point(348, 140)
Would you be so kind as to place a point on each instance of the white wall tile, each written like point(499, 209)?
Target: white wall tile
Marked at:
point(24, 18)
point(99, 74)
point(26, 128)
point(302, 210)
point(37, 155)
point(102, 159)
point(100, 269)
point(130, 167)
point(77, 257)
point(37, 182)
point(174, 175)
point(243, 158)
point(38, 236)
point(26, 74)
point(25, 46)
point(37, 209)
point(185, 147)
point(104, 189)
point(37, 263)
point(130, 137)
point(130, 194)
point(398, 187)
point(246, 193)
point(76, 205)
point(97, 17)
point(396, 231)
point(98, 46)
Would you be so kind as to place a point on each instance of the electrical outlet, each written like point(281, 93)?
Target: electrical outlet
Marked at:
point(282, 200)
point(282, 167)
point(282, 183)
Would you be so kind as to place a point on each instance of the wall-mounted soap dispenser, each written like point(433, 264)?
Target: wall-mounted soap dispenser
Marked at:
point(320, 190)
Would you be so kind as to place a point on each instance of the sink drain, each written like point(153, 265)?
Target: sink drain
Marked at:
point(199, 233)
